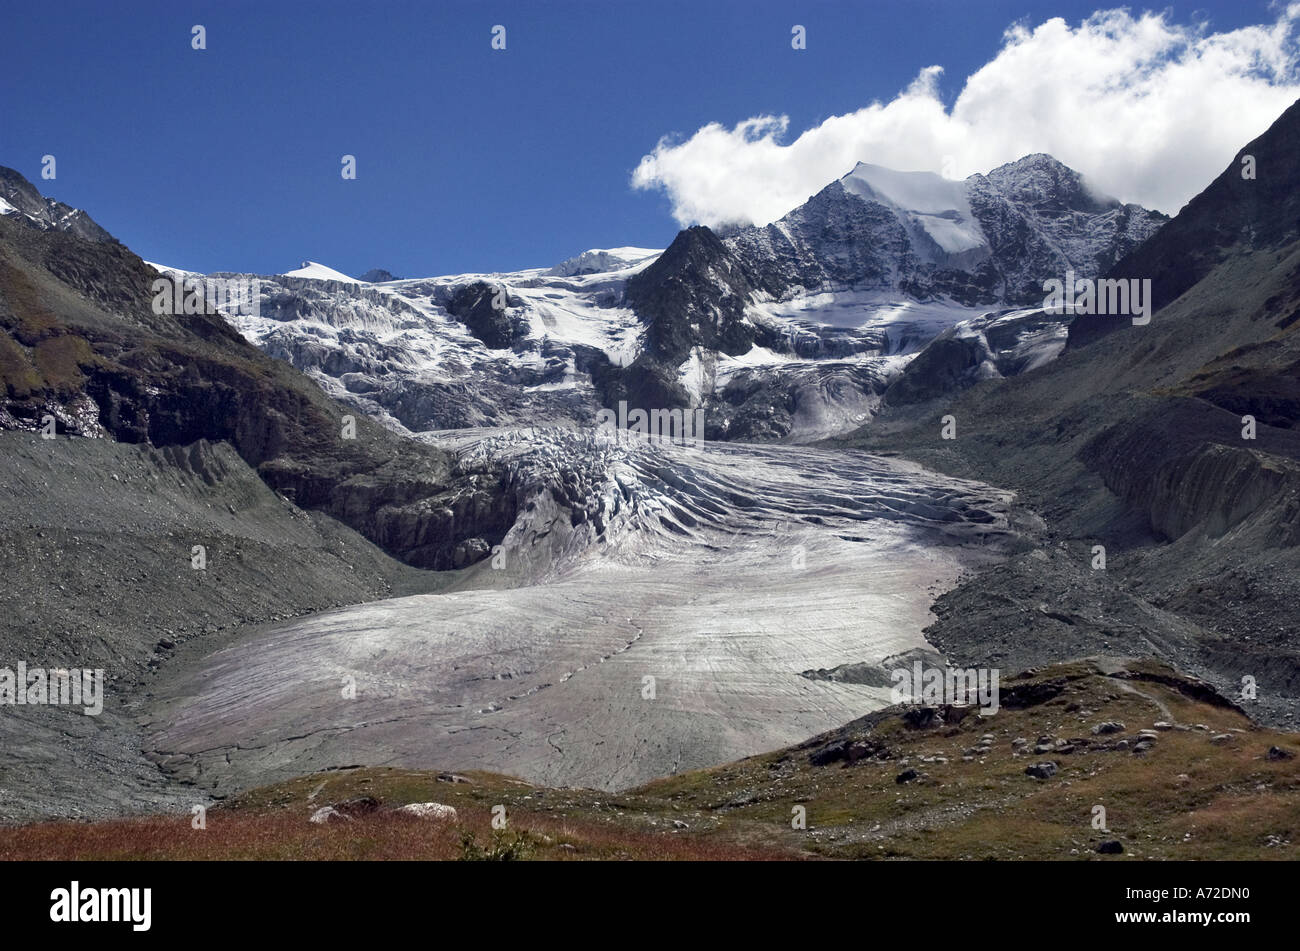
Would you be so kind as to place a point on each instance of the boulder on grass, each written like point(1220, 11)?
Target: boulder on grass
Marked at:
point(433, 811)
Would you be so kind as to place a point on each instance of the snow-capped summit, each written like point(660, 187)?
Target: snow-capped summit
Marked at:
point(793, 331)
point(319, 272)
point(986, 240)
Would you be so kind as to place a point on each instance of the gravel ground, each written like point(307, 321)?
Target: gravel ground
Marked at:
point(96, 561)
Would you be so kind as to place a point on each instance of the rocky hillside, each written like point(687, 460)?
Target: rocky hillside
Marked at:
point(98, 557)
point(171, 435)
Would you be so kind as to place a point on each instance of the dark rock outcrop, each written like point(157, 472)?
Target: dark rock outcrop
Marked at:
point(484, 310)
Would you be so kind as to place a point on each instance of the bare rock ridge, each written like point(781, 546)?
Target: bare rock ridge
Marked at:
point(20, 198)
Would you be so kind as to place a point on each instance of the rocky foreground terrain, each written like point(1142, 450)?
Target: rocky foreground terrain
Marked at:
point(1101, 759)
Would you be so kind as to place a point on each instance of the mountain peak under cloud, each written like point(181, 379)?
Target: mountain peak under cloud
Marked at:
point(1122, 98)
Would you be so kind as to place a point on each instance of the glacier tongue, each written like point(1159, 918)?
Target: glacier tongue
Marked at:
point(653, 612)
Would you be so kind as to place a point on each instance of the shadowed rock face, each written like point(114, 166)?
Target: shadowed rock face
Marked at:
point(693, 295)
point(81, 343)
point(1163, 465)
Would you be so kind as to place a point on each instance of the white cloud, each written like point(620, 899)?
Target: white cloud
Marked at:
point(1149, 110)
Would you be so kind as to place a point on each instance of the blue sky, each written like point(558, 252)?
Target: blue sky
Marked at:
point(468, 159)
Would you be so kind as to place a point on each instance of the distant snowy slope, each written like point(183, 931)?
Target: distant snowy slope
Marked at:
point(600, 260)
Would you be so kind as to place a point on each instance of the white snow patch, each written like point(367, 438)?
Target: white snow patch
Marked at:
point(168, 269)
point(939, 205)
point(319, 272)
point(696, 375)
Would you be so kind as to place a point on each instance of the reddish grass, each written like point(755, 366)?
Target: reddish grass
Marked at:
point(287, 835)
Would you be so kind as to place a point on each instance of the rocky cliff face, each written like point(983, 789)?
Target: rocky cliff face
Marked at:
point(1185, 468)
point(484, 309)
point(693, 295)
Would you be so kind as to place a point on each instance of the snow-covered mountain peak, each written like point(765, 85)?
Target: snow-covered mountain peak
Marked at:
point(795, 330)
point(319, 272)
point(1043, 183)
